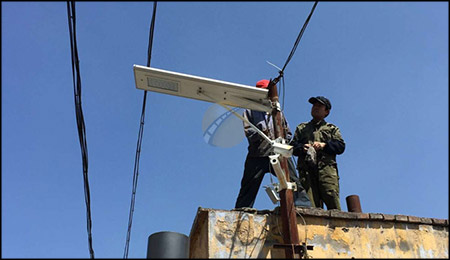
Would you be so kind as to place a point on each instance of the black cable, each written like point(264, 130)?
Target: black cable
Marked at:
point(284, 93)
point(139, 142)
point(291, 54)
point(297, 41)
point(79, 117)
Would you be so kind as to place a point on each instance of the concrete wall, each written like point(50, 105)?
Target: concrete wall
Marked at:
point(333, 234)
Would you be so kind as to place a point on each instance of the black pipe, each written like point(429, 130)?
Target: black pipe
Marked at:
point(167, 244)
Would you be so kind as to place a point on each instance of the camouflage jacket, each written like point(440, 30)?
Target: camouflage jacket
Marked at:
point(311, 132)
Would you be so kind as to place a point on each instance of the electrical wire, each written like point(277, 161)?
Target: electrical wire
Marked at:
point(284, 93)
point(297, 41)
point(139, 142)
point(304, 223)
point(291, 54)
point(306, 233)
point(79, 116)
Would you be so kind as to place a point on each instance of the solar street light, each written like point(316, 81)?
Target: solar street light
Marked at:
point(201, 88)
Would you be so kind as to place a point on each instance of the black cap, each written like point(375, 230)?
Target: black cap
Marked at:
point(322, 100)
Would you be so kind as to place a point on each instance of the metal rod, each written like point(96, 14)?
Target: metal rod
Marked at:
point(261, 133)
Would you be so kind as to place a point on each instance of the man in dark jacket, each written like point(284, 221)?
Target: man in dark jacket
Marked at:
point(257, 163)
point(316, 143)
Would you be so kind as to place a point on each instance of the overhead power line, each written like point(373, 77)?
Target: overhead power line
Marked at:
point(79, 116)
point(139, 142)
point(299, 37)
point(297, 41)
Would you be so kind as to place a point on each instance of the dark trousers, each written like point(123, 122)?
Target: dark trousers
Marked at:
point(254, 171)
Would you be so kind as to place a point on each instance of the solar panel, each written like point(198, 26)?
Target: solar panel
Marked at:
point(201, 88)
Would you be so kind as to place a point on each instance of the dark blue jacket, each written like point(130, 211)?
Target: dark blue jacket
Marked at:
point(257, 145)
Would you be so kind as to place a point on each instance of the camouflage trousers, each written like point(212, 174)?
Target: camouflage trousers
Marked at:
point(322, 186)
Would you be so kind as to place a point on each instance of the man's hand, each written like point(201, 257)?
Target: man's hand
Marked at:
point(318, 145)
point(306, 147)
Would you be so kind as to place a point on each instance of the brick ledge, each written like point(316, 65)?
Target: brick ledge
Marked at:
point(318, 212)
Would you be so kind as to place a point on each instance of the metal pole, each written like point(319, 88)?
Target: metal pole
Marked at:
point(288, 213)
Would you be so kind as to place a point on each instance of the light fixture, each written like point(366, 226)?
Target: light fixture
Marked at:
point(200, 88)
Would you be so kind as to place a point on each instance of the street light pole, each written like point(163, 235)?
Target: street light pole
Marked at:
point(288, 213)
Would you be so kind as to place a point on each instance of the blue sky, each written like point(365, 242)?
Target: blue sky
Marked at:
point(383, 65)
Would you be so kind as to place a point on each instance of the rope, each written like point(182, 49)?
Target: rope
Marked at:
point(79, 117)
point(139, 142)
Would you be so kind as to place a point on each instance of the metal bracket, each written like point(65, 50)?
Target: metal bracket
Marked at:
point(289, 186)
point(298, 249)
point(276, 105)
point(283, 149)
point(284, 184)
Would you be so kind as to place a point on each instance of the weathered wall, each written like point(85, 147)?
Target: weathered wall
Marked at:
point(198, 239)
point(333, 234)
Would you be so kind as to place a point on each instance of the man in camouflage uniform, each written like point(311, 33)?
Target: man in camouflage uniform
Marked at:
point(316, 143)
